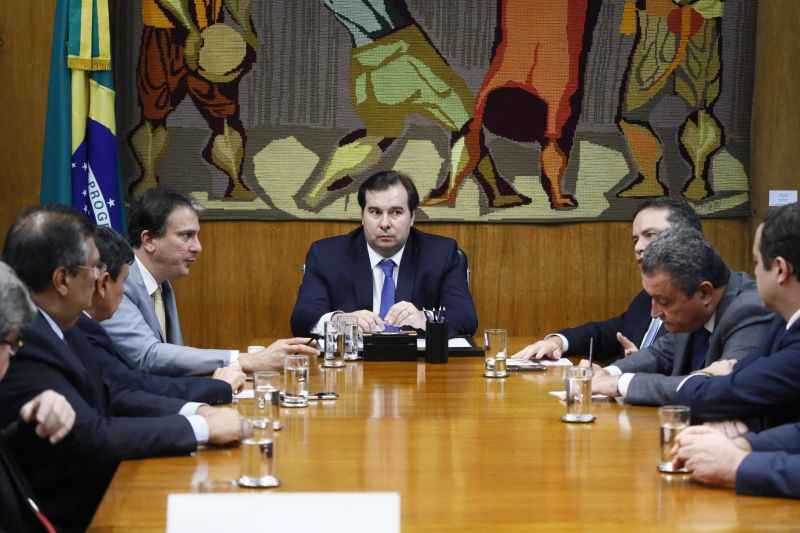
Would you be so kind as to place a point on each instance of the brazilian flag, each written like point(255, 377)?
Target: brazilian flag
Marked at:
point(80, 166)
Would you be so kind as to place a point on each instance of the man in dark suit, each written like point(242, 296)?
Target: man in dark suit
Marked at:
point(710, 313)
point(764, 385)
point(52, 250)
point(116, 254)
point(758, 464)
point(48, 415)
point(385, 273)
point(635, 328)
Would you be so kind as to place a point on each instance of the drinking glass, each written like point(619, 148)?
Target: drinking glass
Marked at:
point(495, 345)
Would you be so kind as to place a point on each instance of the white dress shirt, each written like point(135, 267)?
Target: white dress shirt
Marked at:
point(377, 284)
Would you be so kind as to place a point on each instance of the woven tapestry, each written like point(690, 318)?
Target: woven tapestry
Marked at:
point(499, 110)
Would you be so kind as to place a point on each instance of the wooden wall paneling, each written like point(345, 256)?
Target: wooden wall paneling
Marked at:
point(530, 279)
point(25, 37)
point(776, 107)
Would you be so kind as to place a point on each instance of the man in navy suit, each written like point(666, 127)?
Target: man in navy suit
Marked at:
point(49, 415)
point(634, 329)
point(386, 272)
point(117, 255)
point(52, 250)
point(765, 383)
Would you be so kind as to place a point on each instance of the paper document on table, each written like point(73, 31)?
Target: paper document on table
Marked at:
point(456, 342)
point(522, 363)
point(377, 512)
point(562, 395)
point(246, 394)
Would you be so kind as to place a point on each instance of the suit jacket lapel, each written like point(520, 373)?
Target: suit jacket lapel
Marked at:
point(363, 271)
point(732, 290)
point(408, 271)
point(138, 293)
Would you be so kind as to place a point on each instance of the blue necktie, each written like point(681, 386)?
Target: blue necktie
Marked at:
point(387, 293)
point(699, 348)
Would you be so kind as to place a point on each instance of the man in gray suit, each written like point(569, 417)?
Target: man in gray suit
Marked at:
point(710, 312)
point(163, 228)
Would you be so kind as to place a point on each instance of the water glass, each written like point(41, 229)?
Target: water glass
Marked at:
point(257, 467)
point(674, 419)
point(333, 356)
point(266, 386)
point(295, 381)
point(495, 345)
point(351, 334)
point(578, 388)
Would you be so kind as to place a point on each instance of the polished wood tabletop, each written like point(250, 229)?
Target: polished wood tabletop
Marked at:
point(465, 453)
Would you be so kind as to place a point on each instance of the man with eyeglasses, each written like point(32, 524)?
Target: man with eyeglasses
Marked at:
point(48, 415)
point(52, 250)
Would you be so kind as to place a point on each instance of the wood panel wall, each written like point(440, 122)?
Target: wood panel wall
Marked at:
point(528, 278)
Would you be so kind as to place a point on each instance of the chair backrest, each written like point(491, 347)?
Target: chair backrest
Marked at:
point(463, 255)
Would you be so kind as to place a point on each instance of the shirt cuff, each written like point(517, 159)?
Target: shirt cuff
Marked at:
point(613, 370)
point(687, 378)
point(199, 428)
point(234, 358)
point(190, 408)
point(624, 382)
point(564, 341)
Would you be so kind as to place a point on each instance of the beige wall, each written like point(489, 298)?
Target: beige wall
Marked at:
point(528, 278)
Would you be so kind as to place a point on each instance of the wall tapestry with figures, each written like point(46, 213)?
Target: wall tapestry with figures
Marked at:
point(500, 110)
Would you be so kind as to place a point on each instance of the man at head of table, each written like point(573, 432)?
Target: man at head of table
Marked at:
point(386, 272)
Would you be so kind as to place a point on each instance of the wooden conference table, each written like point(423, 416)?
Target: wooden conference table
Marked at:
point(466, 454)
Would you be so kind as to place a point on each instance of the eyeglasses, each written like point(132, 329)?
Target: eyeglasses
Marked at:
point(97, 270)
point(14, 345)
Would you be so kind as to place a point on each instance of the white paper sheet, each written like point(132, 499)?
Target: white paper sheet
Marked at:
point(312, 512)
point(457, 342)
point(546, 362)
point(562, 395)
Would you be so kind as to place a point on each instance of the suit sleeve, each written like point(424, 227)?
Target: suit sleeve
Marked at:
point(658, 358)
point(456, 298)
point(769, 474)
point(113, 438)
point(313, 299)
point(190, 389)
point(606, 346)
point(781, 438)
point(756, 383)
point(137, 341)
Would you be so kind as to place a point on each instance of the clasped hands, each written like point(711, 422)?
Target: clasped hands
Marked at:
point(399, 315)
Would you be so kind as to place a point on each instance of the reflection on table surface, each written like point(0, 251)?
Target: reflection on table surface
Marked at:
point(465, 453)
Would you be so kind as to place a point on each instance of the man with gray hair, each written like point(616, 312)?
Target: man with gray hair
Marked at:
point(48, 414)
point(710, 313)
